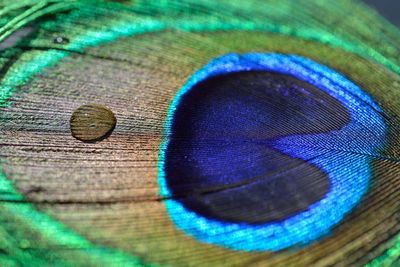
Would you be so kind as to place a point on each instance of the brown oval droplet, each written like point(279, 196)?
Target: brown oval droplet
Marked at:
point(92, 122)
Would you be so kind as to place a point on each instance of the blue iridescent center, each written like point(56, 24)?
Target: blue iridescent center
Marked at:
point(267, 151)
point(221, 162)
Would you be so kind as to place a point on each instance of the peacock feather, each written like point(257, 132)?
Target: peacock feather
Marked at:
point(198, 133)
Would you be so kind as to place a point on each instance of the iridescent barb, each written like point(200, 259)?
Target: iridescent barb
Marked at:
point(118, 20)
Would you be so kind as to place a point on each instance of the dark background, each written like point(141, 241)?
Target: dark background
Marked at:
point(388, 8)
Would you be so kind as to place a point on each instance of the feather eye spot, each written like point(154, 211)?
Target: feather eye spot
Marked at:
point(267, 147)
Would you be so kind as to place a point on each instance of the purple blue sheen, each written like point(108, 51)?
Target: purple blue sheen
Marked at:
point(219, 160)
point(344, 155)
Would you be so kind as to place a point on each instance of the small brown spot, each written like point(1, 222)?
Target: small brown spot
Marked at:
point(92, 122)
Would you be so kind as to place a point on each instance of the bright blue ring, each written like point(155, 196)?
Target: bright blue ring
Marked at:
point(345, 156)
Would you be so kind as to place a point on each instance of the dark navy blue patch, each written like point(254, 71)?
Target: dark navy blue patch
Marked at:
point(220, 162)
